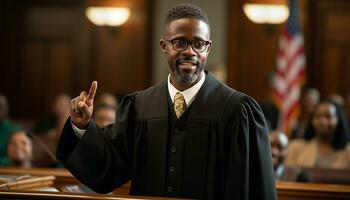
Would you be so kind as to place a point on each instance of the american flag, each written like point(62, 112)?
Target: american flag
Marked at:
point(290, 70)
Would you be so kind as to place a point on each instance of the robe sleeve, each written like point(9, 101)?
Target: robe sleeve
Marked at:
point(250, 171)
point(102, 158)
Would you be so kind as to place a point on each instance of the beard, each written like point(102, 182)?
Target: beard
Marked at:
point(188, 78)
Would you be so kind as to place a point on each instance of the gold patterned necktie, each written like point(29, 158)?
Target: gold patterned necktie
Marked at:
point(179, 104)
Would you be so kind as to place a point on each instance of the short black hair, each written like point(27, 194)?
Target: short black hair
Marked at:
point(341, 136)
point(186, 11)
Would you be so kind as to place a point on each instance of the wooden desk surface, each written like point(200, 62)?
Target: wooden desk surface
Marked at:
point(36, 171)
point(63, 177)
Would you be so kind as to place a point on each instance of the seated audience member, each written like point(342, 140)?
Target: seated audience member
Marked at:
point(6, 128)
point(104, 115)
point(309, 100)
point(20, 149)
point(337, 98)
point(106, 109)
point(325, 143)
point(58, 115)
point(279, 150)
point(347, 107)
point(107, 99)
point(47, 133)
point(269, 107)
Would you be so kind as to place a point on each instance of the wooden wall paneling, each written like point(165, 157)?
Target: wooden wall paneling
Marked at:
point(121, 62)
point(53, 48)
point(251, 52)
point(52, 29)
point(60, 57)
point(10, 34)
point(234, 24)
point(252, 48)
point(331, 71)
point(30, 78)
point(306, 25)
point(331, 45)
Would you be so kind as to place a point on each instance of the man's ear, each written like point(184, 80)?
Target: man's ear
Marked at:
point(163, 45)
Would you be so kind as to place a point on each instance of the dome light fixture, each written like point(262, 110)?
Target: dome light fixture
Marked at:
point(266, 11)
point(107, 15)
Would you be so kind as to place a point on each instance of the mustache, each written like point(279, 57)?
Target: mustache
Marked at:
point(187, 59)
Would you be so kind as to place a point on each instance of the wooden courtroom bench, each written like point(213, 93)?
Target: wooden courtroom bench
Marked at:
point(312, 191)
point(338, 176)
point(285, 190)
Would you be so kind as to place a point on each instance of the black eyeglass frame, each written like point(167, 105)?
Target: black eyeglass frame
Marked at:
point(207, 42)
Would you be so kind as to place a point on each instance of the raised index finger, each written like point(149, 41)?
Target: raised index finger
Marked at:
point(91, 95)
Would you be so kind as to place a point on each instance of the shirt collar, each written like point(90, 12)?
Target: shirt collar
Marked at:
point(188, 94)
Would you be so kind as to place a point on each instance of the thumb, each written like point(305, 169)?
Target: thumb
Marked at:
point(84, 109)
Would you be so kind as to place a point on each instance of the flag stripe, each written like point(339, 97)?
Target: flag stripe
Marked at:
point(290, 70)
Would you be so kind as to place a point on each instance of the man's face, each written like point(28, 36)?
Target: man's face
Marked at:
point(105, 116)
point(187, 65)
point(19, 148)
point(310, 101)
point(325, 120)
point(279, 148)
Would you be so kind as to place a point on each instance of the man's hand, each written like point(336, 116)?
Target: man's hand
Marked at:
point(83, 106)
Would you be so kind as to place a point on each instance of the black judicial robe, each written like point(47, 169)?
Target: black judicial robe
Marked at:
point(225, 151)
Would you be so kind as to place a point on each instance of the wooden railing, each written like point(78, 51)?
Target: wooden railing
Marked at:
point(312, 191)
point(34, 195)
point(338, 176)
point(285, 190)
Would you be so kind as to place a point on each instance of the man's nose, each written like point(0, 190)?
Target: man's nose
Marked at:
point(189, 51)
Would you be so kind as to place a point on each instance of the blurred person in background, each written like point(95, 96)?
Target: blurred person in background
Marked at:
point(269, 107)
point(107, 99)
point(337, 98)
point(347, 107)
point(279, 150)
point(56, 119)
point(47, 132)
point(104, 115)
point(326, 140)
point(20, 149)
point(309, 99)
point(6, 128)
point(105, 110)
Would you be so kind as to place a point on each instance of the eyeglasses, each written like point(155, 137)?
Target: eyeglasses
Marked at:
point(198, 46)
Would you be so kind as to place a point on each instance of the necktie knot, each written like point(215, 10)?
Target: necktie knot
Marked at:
point(179, 104)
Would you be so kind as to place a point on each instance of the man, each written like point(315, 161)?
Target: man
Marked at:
point(189, 137)
point(279, 150)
